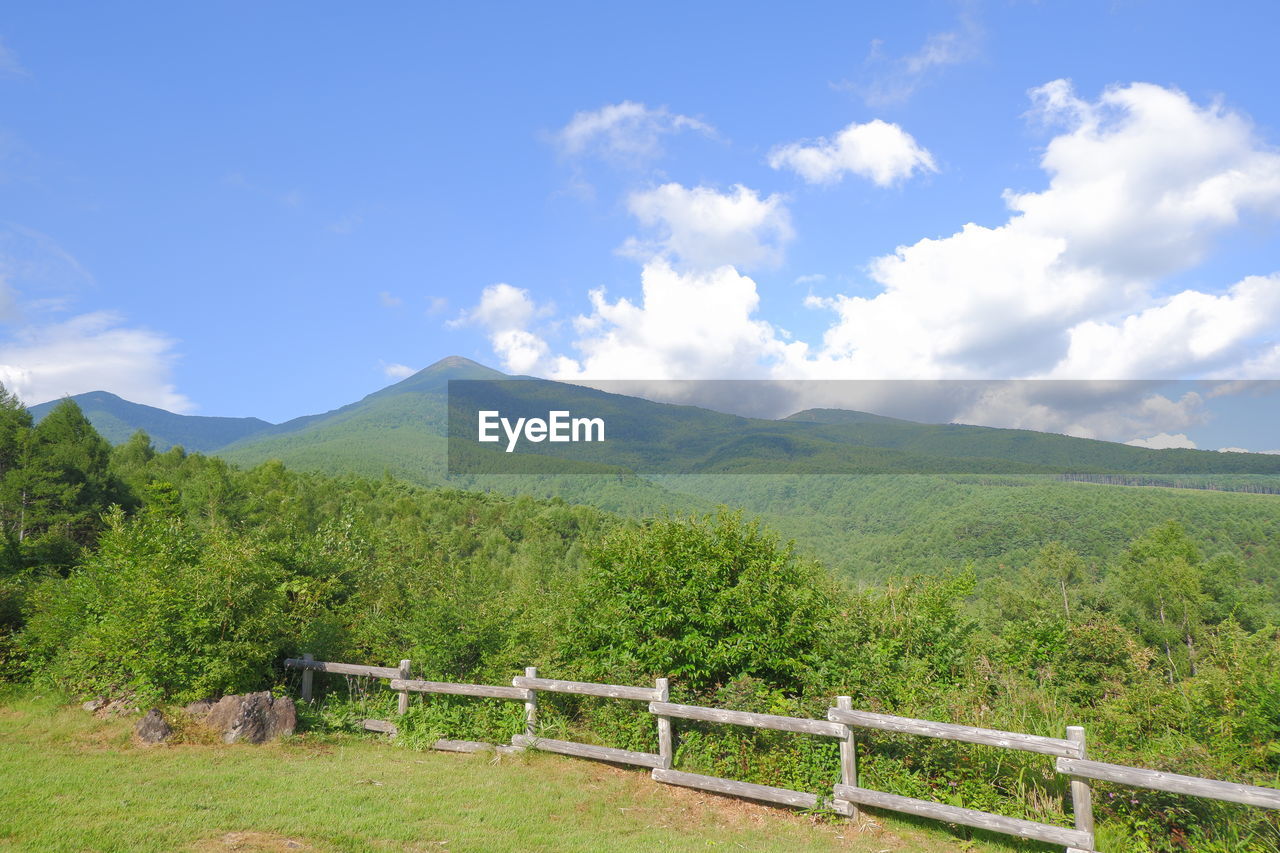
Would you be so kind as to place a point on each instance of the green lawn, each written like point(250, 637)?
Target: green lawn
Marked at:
point(71, 782)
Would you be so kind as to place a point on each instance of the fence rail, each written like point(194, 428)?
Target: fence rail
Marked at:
point(967, 817)
point(747, 718)
point(841, 723)
point(750, 790)
point(951, 731)
point(485, 690)
point(1250, 795)
point(587, 688)
point(344, 668)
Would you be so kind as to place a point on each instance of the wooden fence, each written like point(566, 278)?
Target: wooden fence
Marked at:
point(842, 724)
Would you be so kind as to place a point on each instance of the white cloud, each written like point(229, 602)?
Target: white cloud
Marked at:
point(629, 132)
point(1164, 441)
point(1140, 181)
point(881, 152)
point(388, 300)
point(501, 307)
point(91, 352)
point(705, 229)
point(686, 325)
point(1242, 450)
point(1189, 332)
point(398, 371)
point(1144, 179)
point(505, 312)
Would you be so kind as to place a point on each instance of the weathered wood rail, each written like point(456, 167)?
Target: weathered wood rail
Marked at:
point(530, 681)
point(848, 795)
point(783, 796)
point(950, 731)
point(1232, 792)
point(842, 723)
point(309, 666)
point(402, 684)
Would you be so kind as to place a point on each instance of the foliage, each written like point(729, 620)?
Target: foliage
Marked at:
point(1149, 617)
point(705, 600)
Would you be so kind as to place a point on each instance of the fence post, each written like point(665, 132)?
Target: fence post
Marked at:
point(1081, 793)
point(307, 677)
point(531, 705)
point(402, 703)
point(666, 746)
point(848, 755)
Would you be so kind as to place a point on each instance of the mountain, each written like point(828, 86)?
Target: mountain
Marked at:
point(402, 429)
point(842, 416)
point(117, 419)
point(788, 472)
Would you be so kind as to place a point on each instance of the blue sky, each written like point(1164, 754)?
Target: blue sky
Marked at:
point(274, 209)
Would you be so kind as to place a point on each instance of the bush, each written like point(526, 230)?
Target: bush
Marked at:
point(703, 600)
point(162, 610)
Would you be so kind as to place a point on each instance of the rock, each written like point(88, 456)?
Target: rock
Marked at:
point(254, 717)
point(153, 728)
point(199, 709)
point(116, 707)
point(223, 713)
point(284, 718)
point(94, 704)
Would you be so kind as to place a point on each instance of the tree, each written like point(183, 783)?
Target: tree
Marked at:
point(705, 600)
point(57, 486)
point(15, 427)
point(1158, 587)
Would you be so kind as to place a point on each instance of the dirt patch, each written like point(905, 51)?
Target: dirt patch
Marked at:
point(250, 841)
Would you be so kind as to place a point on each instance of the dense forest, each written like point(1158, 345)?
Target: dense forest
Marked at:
point(175, 576)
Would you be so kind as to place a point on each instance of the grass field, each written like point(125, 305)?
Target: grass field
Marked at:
point(71, 782)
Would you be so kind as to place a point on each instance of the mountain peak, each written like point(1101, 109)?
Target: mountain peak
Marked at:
point(453, 362)
point(434, 378)
point(842, 416)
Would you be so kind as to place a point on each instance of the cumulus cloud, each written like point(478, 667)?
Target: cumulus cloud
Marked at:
point(686, 324)
point(881, 152)
point(1189, 332)
point(704, 228)
point(91, 352)
point(1164, 441)
point(505, 312)
point(1140, 182)
point(1143, 179)
point(629, 132)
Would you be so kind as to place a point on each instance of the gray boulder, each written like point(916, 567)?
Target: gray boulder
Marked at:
point(253, 718)
point(153, 728)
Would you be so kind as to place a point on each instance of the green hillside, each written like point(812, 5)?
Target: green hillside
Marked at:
point(874, 527)
point(187, 577)
point(117, 419)
point(866, 526)
point(651, 437)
